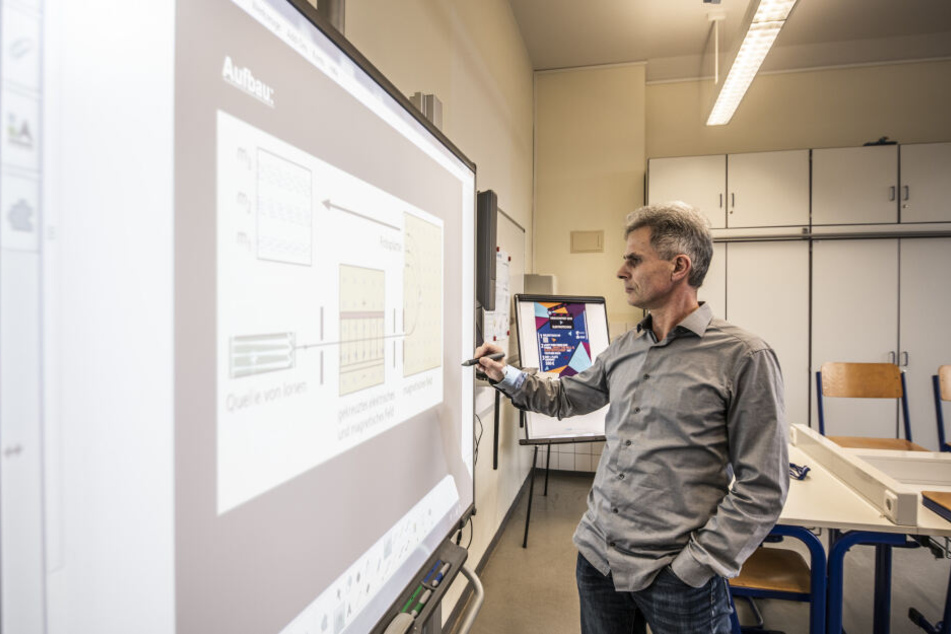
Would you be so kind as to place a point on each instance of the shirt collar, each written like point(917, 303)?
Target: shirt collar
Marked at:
point(696, 322)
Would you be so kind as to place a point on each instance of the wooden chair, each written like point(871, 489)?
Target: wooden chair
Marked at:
point(865, 380)
point(941, 382)
point(780, 573)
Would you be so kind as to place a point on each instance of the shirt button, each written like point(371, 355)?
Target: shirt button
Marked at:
point(627, 442)
point(620, 476)
point(614, 509)
point(611, 544)
point(647, 376)
point(637, 409)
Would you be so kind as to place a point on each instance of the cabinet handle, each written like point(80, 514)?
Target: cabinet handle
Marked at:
point(891, 357)
point(732, 199)
point(721, 200)
point(891, 193)
point(907, 192)
point(904, 356)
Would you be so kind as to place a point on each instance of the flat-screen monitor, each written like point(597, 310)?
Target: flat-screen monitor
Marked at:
point(235, 301)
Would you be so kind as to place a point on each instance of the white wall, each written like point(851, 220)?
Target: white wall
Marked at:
point(590, 143)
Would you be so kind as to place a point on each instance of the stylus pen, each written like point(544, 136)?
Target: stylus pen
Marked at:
point(495, 357)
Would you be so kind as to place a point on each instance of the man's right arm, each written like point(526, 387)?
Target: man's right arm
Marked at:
point(569, 396)
point(560, 398)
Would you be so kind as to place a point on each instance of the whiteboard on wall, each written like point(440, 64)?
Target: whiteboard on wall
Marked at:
point(561, 335)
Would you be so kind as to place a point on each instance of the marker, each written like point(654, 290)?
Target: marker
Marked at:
point(495, 357)
point(422, 602)
point(442, 573)
point(432, 570)
point(412, 599)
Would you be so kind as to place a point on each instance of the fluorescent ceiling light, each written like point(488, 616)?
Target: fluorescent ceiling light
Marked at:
point(769, 18)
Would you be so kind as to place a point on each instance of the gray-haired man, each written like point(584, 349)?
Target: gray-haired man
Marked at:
point(692, 399)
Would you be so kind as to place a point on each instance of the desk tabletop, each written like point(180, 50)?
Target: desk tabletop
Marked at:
point(824, 501)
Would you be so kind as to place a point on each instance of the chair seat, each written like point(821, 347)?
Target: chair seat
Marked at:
point(774, 569)
point(861, 442)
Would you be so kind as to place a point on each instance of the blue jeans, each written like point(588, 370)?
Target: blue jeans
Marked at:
point(668, 605)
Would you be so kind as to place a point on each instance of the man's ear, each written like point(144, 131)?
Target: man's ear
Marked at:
point(682, 266)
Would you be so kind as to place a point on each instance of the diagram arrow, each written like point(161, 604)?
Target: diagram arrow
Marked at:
point(329, 205)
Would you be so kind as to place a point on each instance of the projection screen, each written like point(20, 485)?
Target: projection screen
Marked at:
point(231, 341)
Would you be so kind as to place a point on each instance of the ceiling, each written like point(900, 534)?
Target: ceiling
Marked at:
point(675, 37)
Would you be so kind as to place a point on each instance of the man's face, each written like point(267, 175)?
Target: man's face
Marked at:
point(647, 278)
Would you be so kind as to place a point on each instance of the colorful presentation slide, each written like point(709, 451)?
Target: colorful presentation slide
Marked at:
point(564, 347)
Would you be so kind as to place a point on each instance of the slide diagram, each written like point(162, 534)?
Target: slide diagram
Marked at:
point(362, 302)
point(284, 210)
point(329, 311)
point(257, 354)
point(564, 348)
point(422, 296)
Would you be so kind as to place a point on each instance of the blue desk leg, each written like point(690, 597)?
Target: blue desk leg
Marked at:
point(836, 570)
point(817, 581)
point(883, 589)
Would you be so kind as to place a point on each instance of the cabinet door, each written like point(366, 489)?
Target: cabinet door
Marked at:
point(855, 318)
point(713, 289)
point(857, 185)
point(768, 294)
point(697, 180)
point(926, 182)
point(768, 189)
point(925, 344)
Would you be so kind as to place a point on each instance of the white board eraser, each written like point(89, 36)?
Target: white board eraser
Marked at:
point(400, 624)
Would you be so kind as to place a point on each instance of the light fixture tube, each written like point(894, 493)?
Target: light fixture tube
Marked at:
point(765, 25)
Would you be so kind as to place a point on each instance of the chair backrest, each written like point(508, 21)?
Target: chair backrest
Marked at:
point(941, 382)
point(944, 382)
point(861, 380)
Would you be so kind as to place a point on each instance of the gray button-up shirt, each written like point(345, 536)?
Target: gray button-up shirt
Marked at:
point(682, 411)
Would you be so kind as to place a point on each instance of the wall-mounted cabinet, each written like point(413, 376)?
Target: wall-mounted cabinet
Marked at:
point(855, 185)
point(925, 194)
point(697, 180)
point(759, 189)
point(768, 189)
point(882, 184)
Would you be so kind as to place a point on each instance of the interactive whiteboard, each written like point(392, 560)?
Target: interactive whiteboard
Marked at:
point(232, 323)
point(561, 336)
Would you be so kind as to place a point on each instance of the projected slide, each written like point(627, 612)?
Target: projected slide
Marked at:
point(329, 313)
point(562, 333)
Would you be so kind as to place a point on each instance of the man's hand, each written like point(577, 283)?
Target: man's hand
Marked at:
point(495, 370)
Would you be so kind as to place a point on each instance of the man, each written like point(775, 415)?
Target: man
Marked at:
point(692, 399)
